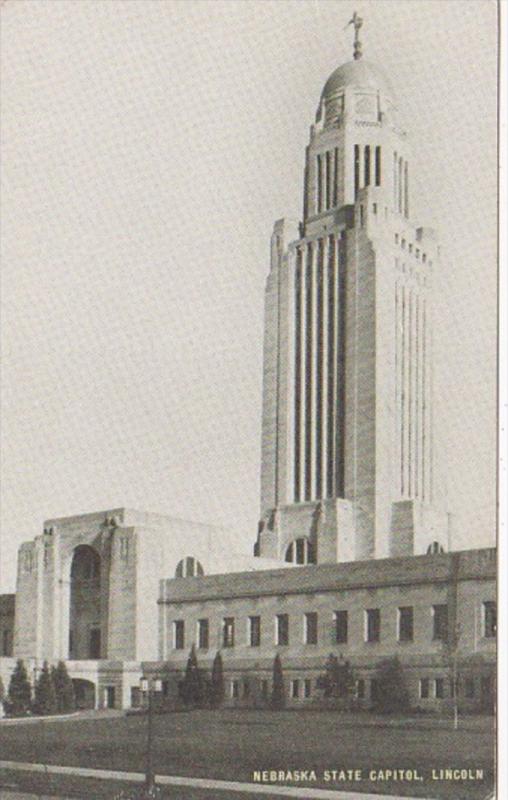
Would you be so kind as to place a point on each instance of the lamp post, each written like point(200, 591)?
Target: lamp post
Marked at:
point(150, 685)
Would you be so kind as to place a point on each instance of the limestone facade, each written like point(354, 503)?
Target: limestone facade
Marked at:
point(347, 432)
point(364, 612)
point(87, 592)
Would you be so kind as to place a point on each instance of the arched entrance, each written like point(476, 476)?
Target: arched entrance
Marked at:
point(84, 693)
point(85, 604)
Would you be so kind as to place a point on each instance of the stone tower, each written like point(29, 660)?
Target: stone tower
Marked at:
point(347, 446)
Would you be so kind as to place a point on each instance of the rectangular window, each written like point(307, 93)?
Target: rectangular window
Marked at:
point(246, 689)
point(360, 689)
point(405, 633)
point(489, 619)
point(310, 628)
point(440, 622)
point(264, 689)
point(439, 688)
point(357, 169)
point(295, 688)
point(469, 688)
point(366, 165)
point(319, 176)
point(228, 632)
point(340, 627)
point(372, 625)
point(375, 690)
point(378, 166)
point(178, 634)
point(328, 178)
point(335, 175)
point(424, 688)
point(235, 689)
point(282, 629)
point(254, 631)
point(203, 634)
point(307, 687)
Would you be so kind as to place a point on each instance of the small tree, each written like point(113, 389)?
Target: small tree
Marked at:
point(217, 682)
point(391, 694)
point(338, 679)
point(64, 688)
point(20, 692)
point(278, 694)
point(191, 688)
point(44, 695)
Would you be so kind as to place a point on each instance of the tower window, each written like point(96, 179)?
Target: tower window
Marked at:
point(357, 169)
point(378, 166)
point(434, 548)
point(328, 178)
point(424, 688)
point(439, 688)
point(319, 176)
point(366, 165)
point(307, 687)
point(295, 687)
point(400, 174)
point(406, 190)
point(335, 175)
point(188, 567)
point(300, 551)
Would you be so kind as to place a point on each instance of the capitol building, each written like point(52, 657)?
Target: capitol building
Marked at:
point(352, 554)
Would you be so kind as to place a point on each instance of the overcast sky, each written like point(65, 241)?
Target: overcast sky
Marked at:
point(147, 149)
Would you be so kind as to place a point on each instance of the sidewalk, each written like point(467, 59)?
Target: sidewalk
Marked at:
point(205, 784)
point(89, 714)
point(8, 794)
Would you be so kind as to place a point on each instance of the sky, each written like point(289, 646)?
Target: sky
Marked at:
point(148, 148)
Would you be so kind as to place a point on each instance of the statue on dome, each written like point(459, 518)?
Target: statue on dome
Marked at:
point(357, 23)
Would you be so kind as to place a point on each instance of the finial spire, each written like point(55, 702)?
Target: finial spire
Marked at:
point(357, 23)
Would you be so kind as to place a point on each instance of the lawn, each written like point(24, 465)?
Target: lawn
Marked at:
point(231, 745)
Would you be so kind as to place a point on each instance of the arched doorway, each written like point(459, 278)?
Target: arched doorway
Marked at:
point(84, 693)
point(85, 605)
